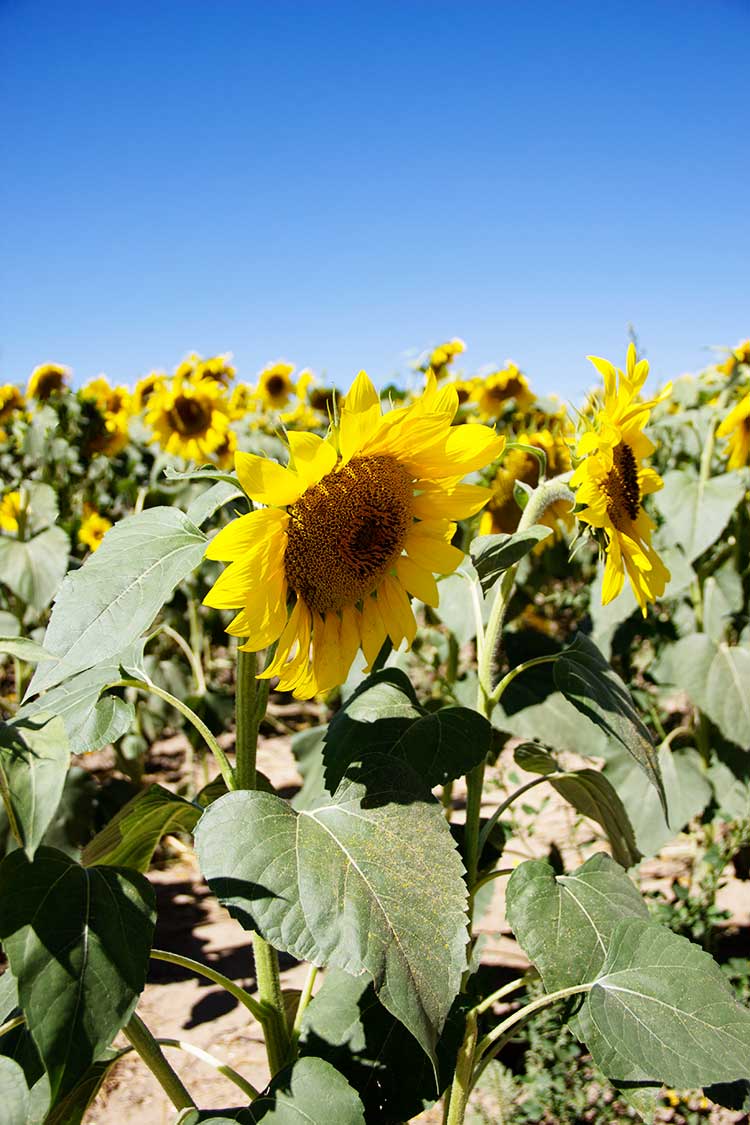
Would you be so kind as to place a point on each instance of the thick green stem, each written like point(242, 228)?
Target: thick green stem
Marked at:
point(457, 1100)
point(213, 975)
point(141, 1039)
point(221, 759)
point(251, 699)
point(474, 787)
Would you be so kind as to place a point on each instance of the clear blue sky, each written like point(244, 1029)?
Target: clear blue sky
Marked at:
point(339, 184)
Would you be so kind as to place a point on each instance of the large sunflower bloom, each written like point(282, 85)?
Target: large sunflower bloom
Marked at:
point(736, 426)
point(189, 419)
point(46, 380)
point(611, 483)
point(357, 522)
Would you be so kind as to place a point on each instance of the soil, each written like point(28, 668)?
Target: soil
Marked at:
point(176, 1005)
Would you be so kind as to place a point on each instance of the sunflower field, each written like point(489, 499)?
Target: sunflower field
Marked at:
point(503, 646)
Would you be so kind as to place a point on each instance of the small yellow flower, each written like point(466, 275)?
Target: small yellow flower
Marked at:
point(145, 387)
point(110, 434)
point(189, 419)
point(275, 386)
point(93, 529)
point(217, 367)
point(47, 380)
point(736, 426)
point(10, 510)
point(611, 482)
point(11, 399)
point(443, 355)
point(358, 520)
point(739, 355)
point(494, 393)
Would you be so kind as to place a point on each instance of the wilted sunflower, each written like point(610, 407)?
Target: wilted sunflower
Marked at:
point(495, 392)
point(736, 426)
point(93, 529)
point(611, 482)
point(275, 386)
point(46, 380)
point(357, 522)
point(189, 419)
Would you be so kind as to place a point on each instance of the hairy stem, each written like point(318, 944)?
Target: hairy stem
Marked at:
point(142, 1041)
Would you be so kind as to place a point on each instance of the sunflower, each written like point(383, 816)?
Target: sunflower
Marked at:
point(502, 513)
point(189, 419)
point(144, 388)
point(110, 429)
point(443, 355)
point(736, 426)
point(738, 356)
point(611, 482)
point(11, 399)
point(217, 367)
point(275, 386)
point(358, 520)
point(46, 380)
point(241, 401)
point(93, 529)
point(10, 510)
point(495, 392)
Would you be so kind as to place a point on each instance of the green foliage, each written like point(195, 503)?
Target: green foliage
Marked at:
point(34, 760)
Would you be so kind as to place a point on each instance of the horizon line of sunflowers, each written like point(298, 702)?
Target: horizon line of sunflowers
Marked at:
point(192, 414)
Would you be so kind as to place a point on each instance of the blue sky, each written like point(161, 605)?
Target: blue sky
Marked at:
point(343, 185)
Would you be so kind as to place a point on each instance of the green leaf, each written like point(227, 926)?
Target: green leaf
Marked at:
point(212, 499)
point(534, 759)
point(70, 1109)
point(661, 1010)
point(587, 681)
point(493, 554)
point(373, 719)
point(106, 604)
point(717, 680)
point(696, 512)
point(34, 760)
point(444, 745)
point(369, 882)
point(34, 569)
point(14, 1093)
point(307, 747)
point(717, 612)
point(308, 1093)
point(25, 649)
point(78, 941)
point(685, 783)
point(90, 720)
point(590, 793)
point(130, 838)
point(347, 1026)
point(564, 923)
point(206, 472)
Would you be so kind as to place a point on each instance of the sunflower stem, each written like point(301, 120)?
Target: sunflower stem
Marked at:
point(251, 698)
point(142, 1041)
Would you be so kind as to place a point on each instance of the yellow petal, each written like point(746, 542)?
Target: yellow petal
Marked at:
point(266, 481)
point(286, 641)
point(313, 457)
point(373, 631)
point(396, 611)
point(245, 533)
point(454, 504)
point(361, 396)
point(432, 554)
point(417, 581)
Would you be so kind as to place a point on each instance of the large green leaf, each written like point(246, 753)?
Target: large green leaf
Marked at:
point(34, 760)
point(212, 499)
point(347, 1026)
point(493, 554)
point(564, 923)
point(717, 680)
point(34, 569)
point(14, 1093)
point(661, 1010)
point(368, 881)
point(445, 745)
point(106, 604)
point(129, 839)
point(78, 941)
point(590, 793)
point(309, 1093)
point(586, 679)
point(696, 512)
point(373, 719)
point(685, 783)
point(91, 720)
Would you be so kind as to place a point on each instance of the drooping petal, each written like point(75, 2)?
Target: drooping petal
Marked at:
point(417, 580)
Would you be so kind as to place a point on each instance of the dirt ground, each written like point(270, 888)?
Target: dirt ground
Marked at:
point(176, 1005)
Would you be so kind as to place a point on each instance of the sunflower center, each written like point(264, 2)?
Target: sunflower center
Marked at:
point(345, 533)
point(276, 386)
point(188, 416)
point(621, 486)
